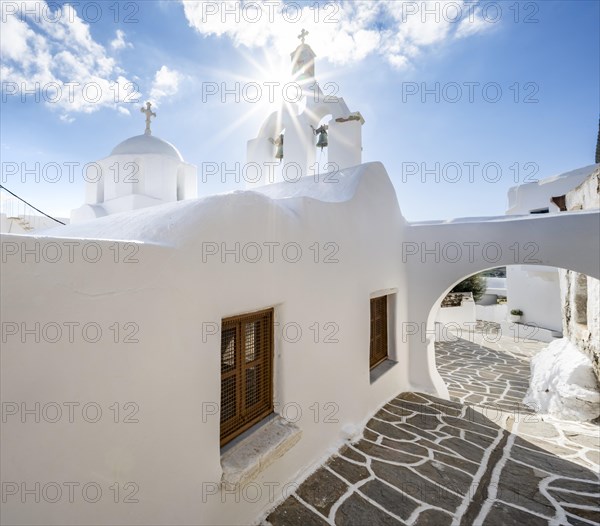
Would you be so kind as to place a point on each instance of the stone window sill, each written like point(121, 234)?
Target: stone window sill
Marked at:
point(257, 448)
point(379, 370)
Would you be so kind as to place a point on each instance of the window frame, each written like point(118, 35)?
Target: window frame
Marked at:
point(375, 358)
point(244, 417)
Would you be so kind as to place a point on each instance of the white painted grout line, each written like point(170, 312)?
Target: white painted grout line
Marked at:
point(313, 509)
point(478, 475)
point(422, 506)
point(351, 489)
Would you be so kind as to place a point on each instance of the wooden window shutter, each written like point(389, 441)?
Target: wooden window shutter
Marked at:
point(246, 372)
point(379, 340)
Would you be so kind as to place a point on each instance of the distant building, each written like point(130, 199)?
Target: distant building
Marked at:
point(535, 289)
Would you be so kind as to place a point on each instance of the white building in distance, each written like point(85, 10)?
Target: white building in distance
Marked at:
point(536, 289)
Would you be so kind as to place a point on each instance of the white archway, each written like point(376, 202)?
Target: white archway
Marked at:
point(440, 255)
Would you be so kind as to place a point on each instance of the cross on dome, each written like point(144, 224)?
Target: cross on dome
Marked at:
point(149, 114)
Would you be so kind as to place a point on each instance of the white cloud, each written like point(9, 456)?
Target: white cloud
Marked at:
point(119, 42)
point(56, 56)
point(469, 27)
point(166, 83)
point(123, 111)
point(13, 45)
point(344, 31)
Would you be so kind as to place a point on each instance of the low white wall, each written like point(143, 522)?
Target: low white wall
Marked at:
point(451, 319)
point(495, 313)
point(536, 291)
point(460, 315)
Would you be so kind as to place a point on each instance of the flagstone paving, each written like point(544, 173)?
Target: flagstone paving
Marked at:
point(481, 458)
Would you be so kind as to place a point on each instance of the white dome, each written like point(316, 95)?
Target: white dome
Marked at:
point(146, 144)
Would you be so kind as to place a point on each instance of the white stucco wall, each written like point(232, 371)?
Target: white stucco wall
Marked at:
point(536, 291)
point(173, 373)
point(462, 315)
point(524, 198)
point(128, 181)
point(496, 313)
point(176, 290)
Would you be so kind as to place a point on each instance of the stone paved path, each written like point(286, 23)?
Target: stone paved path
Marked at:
point(482, 458)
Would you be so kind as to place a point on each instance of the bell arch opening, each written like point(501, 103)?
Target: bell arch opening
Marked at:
point(321, 144)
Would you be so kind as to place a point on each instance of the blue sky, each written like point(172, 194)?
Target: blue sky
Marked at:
point(544, 121)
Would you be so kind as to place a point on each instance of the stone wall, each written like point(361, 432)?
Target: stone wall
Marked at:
point(581, 293)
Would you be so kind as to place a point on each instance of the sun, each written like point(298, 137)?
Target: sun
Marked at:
point(265, 84)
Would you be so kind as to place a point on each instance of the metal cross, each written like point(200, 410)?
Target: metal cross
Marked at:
point(302, 35)
point(149, 114)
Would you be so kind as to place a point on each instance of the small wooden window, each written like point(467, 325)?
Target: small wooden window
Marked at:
point(379, 338)
point(246, 372)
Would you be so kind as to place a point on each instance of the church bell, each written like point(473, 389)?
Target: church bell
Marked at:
point(322, 141)
point(279, 147)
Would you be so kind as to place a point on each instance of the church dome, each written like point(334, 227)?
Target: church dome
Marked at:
point(141, 144)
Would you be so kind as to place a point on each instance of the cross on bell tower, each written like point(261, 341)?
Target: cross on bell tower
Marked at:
point(149, 114)
point(302, 35)
point(303, 60)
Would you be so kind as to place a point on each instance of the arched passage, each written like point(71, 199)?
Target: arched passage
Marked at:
point(568, 240)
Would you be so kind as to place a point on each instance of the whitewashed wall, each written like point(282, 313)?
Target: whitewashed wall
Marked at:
point(536, 291)
point(462, 316)
point(495, 313)
point(172, 290)
point(535, 195)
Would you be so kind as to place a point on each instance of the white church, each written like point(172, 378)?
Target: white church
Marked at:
point(188, 348)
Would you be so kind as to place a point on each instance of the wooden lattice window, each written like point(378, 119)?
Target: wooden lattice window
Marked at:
point(379, 337)
point(246, 372)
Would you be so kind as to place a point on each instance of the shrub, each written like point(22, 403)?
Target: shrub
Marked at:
point(474, 284)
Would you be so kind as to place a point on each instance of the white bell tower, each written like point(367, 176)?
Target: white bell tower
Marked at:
point(297, 121)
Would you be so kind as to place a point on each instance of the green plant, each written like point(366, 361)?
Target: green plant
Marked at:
point(475, 284)
point(516, 312)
